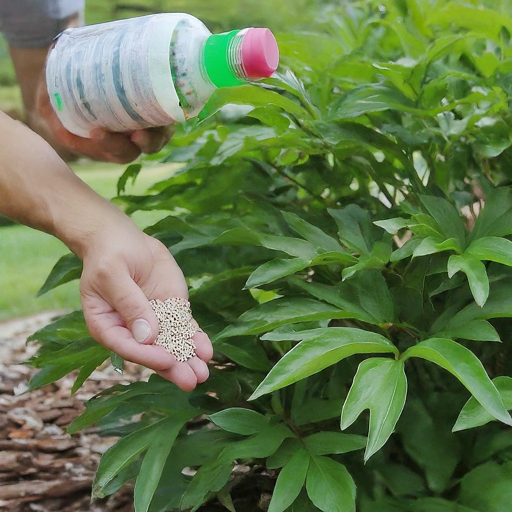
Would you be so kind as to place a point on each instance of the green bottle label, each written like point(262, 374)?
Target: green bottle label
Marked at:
point(58, 101)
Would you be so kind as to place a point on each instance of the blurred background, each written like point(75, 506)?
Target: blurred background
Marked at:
point(26, 255)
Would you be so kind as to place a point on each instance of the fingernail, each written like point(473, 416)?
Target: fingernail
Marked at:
point(141, 330)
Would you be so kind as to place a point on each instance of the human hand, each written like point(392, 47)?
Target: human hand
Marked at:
point(103, 145)
point(123, 270)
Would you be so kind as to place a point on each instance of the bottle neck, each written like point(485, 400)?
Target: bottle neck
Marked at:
point(222, 58)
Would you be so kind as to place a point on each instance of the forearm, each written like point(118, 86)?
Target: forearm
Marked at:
point(39, 190)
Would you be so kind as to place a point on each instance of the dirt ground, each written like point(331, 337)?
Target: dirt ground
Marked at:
point(42, 468)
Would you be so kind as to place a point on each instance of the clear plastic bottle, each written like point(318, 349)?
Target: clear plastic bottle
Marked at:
point(149, 71)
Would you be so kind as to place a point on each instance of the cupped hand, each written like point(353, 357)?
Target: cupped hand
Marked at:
point(103, 145)
point(123, 270)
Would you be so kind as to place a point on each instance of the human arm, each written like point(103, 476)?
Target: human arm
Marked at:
point(123, 267)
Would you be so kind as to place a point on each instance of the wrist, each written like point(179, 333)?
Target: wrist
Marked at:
point(90, 223)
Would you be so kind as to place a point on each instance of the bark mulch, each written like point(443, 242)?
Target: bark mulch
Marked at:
point(42, 468)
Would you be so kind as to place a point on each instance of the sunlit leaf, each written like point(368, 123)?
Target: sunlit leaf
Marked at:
point(467, 368)
point(318, 350)
point(380, 385)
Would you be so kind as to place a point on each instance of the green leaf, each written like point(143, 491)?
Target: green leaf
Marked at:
point(438, 505)
point(380, 385)
point(377, 259)
point(401, 480)
point(492, 248)
point(315, 236)
point(333, 258)
point(87, 369)
point(327, 443)
point(85, 354)
point(318, 350)
point(240, 421)
point(68, 268)
point(487, 487)
point(356, 229)
point(117, 362)
point(250, 95)
point(432, 245)
point(425, 434)
point(446, 216)
point(246, 352)
point(330, 486)
point(131, 172)
point(467, 368)
point(123, 453)
point(366, 296)
point(478, 330)
point(211, 477)
point(70, 327)
point(370, 98)
point(153, 464)
point(262, 445)
point(475, 271)
point(277, 312)
point(244, 236)
point(316, 409)
point(392, 226)
point(290, 482)
point(406, 251)
point(339, 297)
point(310, 50)
point(474, 415)
point(284, 453)
point(495, 218)
point(482, 20)
point(275, 269)
point(225, 498)
point(498, 305)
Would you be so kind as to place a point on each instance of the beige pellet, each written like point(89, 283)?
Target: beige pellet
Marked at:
point(176, 327)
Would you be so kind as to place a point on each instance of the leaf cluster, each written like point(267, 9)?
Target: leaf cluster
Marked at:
point(345, 232)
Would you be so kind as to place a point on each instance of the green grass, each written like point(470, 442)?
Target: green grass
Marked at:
point(27, 255)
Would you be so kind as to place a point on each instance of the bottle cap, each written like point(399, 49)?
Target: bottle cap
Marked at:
point(260, 53)
point(239, 56)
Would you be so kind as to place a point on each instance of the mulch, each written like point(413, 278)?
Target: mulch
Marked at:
point(42, 468)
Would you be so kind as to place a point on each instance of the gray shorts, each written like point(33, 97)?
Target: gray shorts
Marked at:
point(34, 23)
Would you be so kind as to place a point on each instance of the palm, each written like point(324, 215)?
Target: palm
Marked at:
point(112, 300)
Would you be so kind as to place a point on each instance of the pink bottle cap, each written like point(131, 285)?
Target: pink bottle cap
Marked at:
point(260, 53)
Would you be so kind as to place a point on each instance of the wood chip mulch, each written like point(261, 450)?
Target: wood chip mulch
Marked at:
point(42, 468)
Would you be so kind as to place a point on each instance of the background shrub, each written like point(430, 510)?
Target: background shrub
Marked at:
point(346, 242)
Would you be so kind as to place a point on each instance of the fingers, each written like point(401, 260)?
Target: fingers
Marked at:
point(108, 329)
point(112, 147)
point(204, 349)
point(152, 140)
point(200, 369)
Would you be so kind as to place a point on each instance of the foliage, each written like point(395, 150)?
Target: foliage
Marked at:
point(346, 241)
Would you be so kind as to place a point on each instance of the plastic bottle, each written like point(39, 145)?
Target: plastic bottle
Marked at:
point(149, 71)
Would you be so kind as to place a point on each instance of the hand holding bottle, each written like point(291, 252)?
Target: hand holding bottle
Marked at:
point(102, 145)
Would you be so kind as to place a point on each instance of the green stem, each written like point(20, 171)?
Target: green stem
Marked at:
point(299, 185)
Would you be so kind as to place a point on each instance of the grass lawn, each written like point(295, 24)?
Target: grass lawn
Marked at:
point(27, 255)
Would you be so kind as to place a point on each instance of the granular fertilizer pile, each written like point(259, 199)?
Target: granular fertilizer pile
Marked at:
point(176, 327)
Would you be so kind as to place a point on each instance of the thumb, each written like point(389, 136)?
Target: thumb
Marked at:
point(125, 296)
